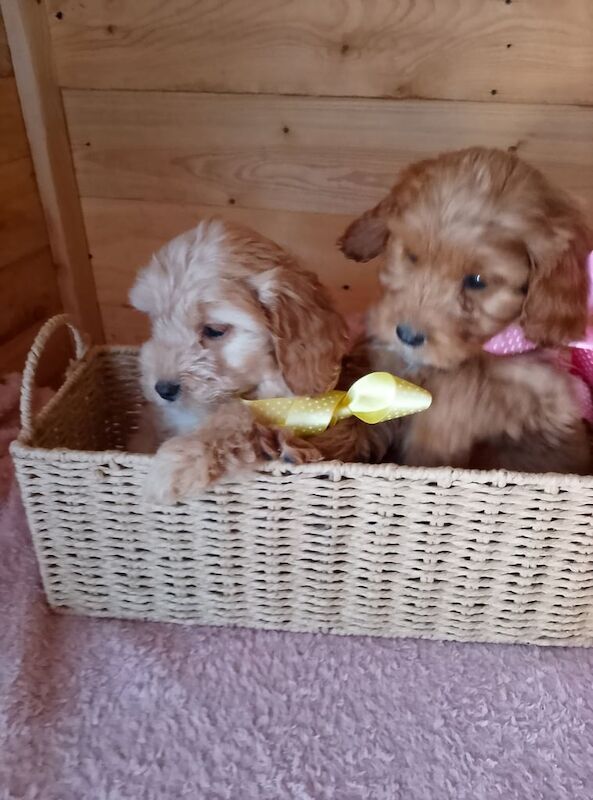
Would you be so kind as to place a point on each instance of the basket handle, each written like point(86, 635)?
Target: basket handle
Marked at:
point(35, 353)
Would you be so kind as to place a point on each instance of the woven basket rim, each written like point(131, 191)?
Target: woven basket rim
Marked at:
point(441, 476)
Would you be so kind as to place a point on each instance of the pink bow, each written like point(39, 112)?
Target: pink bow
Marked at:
point(512, 341)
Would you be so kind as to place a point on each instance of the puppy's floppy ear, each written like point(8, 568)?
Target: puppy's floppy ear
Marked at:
point(309, 336)
point(558, 243)
point(366, 237)
point(147, 289)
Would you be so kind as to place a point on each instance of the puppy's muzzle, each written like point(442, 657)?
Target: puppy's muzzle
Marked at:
point(168, 390)
point(410, 336)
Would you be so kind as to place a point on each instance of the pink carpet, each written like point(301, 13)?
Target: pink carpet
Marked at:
point(100, 710)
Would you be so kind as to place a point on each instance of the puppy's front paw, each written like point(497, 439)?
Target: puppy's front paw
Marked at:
point(158, 489)
point(179, 470)
point(298, 451)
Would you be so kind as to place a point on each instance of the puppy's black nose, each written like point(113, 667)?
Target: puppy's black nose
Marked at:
point(409, 335)
point(168, 390)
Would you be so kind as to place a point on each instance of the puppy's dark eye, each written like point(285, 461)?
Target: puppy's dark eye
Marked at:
point(474, 282)
point(412, 257)
point(214, 331)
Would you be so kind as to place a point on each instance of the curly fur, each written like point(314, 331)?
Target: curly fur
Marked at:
point(280, 334)
point(475, 212)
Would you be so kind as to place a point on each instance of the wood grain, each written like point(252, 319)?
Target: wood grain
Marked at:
point(26, 26)
point(123, 234)
point(50, 372)
point(5, 62)
point(22, 224)
point(528, 51)
point(29, 292)
point(28, 283)
point(13, 351)
point(13, 138)
point(299, 154)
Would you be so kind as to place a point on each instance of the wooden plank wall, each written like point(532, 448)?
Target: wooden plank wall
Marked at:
point(294, 115)
point(28, 282)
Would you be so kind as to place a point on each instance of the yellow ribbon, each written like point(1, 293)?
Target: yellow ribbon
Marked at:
point(376, 397)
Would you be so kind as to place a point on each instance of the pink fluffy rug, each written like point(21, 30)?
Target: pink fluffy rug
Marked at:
point(101, 710)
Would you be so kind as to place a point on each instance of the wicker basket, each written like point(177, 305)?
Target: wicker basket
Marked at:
point(343, 548)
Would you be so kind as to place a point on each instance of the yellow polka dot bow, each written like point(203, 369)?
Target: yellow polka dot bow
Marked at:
point(376, 397)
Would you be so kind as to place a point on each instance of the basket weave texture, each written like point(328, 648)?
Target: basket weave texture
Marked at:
point(344, 548)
